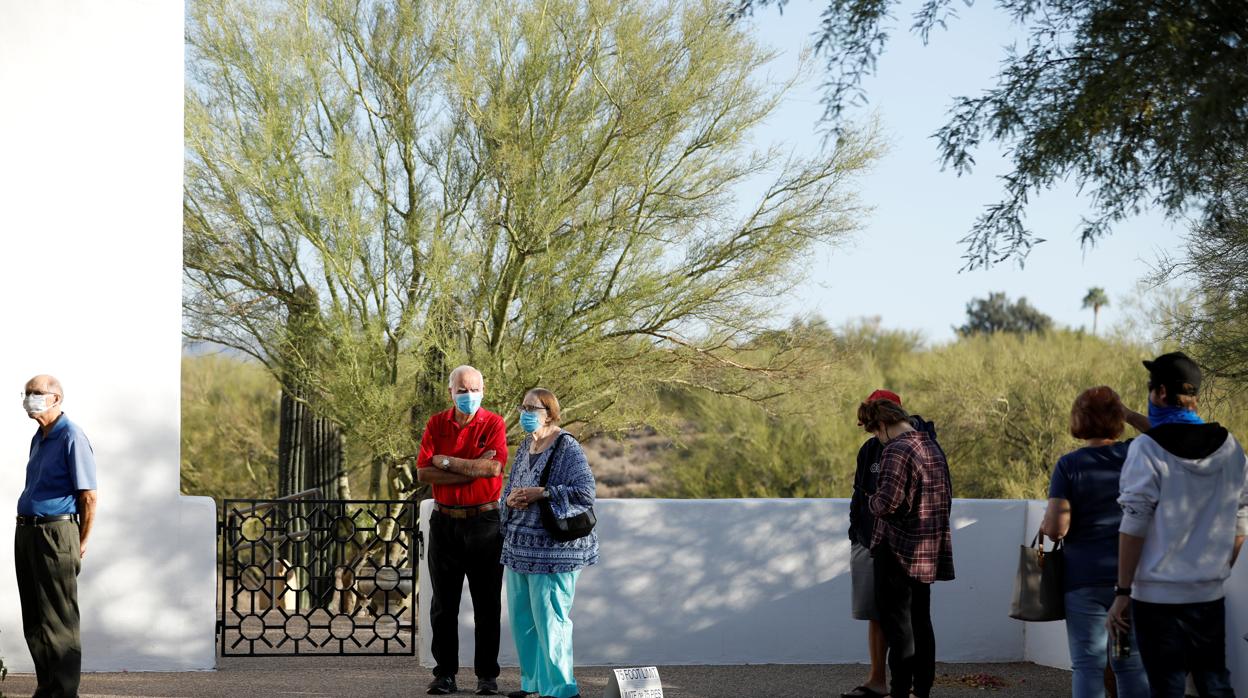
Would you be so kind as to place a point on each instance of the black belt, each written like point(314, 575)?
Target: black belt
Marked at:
point(39, 520)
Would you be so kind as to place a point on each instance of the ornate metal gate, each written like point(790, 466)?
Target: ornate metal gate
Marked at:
point(317, 577)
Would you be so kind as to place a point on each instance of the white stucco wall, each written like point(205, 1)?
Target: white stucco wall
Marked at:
point(762, 581)
point(767, 581)
point(90, 290)
point(1237, 625)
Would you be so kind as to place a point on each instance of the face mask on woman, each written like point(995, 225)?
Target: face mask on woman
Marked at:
point(530, 422)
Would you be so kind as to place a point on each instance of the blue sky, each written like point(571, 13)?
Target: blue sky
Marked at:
point(908, 254)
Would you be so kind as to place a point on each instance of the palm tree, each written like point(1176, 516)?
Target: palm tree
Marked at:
point(1096, 299)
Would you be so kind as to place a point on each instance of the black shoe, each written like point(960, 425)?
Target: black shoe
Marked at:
point(442, 686)
point(487, 687)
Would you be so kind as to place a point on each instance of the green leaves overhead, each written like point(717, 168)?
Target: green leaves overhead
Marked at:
point(1138, 102)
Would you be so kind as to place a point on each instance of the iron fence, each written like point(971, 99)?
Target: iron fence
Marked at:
point(302, 576)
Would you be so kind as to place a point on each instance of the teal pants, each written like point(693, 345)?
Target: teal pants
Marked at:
point(540, 607)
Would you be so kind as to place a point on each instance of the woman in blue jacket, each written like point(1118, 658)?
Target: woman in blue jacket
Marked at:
point(541, 572)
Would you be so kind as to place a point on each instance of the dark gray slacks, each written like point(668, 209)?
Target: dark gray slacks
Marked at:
point(48, 560)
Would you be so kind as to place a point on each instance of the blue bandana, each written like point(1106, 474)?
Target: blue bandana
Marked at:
point(1171, 415)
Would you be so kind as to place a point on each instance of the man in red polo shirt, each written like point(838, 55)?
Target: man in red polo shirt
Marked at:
point(461, 455)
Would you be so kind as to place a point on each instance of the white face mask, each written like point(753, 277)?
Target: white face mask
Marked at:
point(35, 404)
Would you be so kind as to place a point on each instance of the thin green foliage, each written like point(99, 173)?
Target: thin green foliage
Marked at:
point(377, 191)
point(1001, 403)
point(229, 428)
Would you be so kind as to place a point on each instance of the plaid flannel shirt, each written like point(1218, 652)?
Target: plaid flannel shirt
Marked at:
point(911, 505)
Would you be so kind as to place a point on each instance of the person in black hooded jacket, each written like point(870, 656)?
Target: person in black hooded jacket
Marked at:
point(861, 524)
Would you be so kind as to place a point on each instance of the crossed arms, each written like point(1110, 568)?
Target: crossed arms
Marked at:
point(459, 471)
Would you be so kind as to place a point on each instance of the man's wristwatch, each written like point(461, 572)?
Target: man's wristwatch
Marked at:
point(446, 463)
point(1122, 591)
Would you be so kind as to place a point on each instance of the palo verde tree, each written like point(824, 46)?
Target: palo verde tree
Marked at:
point(547, 190)
point(1139, 102)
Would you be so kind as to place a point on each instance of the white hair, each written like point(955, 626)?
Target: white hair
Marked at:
point(459, 371)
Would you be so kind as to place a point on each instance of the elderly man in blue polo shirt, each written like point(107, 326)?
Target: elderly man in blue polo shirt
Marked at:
point(54, 516)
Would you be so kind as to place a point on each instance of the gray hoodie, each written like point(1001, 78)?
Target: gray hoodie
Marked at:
point(1183, 491)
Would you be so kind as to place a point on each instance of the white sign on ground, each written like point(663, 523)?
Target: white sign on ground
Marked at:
point(635, 682)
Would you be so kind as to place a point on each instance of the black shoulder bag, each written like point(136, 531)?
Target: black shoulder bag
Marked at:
point(563, 530)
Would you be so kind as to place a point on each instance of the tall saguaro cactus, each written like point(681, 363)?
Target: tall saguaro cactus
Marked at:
point(310, 451)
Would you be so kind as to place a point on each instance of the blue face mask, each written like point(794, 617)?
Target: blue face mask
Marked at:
point(1171, 415)
point(468, 403)
point(529, 422)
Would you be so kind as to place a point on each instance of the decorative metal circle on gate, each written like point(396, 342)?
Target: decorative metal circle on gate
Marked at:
point(251, 627)
point(317, 577)
point(386, 578)
point(387, 627)
point(297, 627)
point(252, 529)
point(252, 578)
point(342, 627)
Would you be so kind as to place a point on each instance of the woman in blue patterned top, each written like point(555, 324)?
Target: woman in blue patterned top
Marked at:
point(541, 572)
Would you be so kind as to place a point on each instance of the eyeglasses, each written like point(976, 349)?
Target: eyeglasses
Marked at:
point(27, 393)
point(531, 408)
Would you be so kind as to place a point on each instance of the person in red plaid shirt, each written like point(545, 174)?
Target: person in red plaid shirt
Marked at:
point(911, 545)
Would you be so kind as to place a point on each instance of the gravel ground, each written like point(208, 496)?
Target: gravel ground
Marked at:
point(357, 677)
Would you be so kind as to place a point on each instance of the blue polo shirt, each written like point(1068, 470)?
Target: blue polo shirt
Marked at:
point(61, 464)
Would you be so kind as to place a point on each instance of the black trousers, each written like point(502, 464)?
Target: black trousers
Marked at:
point(904, 605)
point(47, 559)
point(1176, 639)
point(471, 548)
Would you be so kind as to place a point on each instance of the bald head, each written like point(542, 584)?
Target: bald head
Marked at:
point(44, 384)
point(42, 400)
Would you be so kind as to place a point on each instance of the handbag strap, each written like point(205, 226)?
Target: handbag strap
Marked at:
point(1038, 542)
point(550, 459)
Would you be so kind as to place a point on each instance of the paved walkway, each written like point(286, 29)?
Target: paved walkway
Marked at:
point(358, 677)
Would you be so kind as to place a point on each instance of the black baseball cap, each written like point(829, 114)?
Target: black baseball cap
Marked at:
point(1176, 371)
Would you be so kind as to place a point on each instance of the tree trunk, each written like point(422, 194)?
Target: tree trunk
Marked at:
point(376, 478)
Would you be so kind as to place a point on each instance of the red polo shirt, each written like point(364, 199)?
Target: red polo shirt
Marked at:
point(443, 436)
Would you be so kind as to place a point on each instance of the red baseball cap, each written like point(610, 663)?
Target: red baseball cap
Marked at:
point(885, 395)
